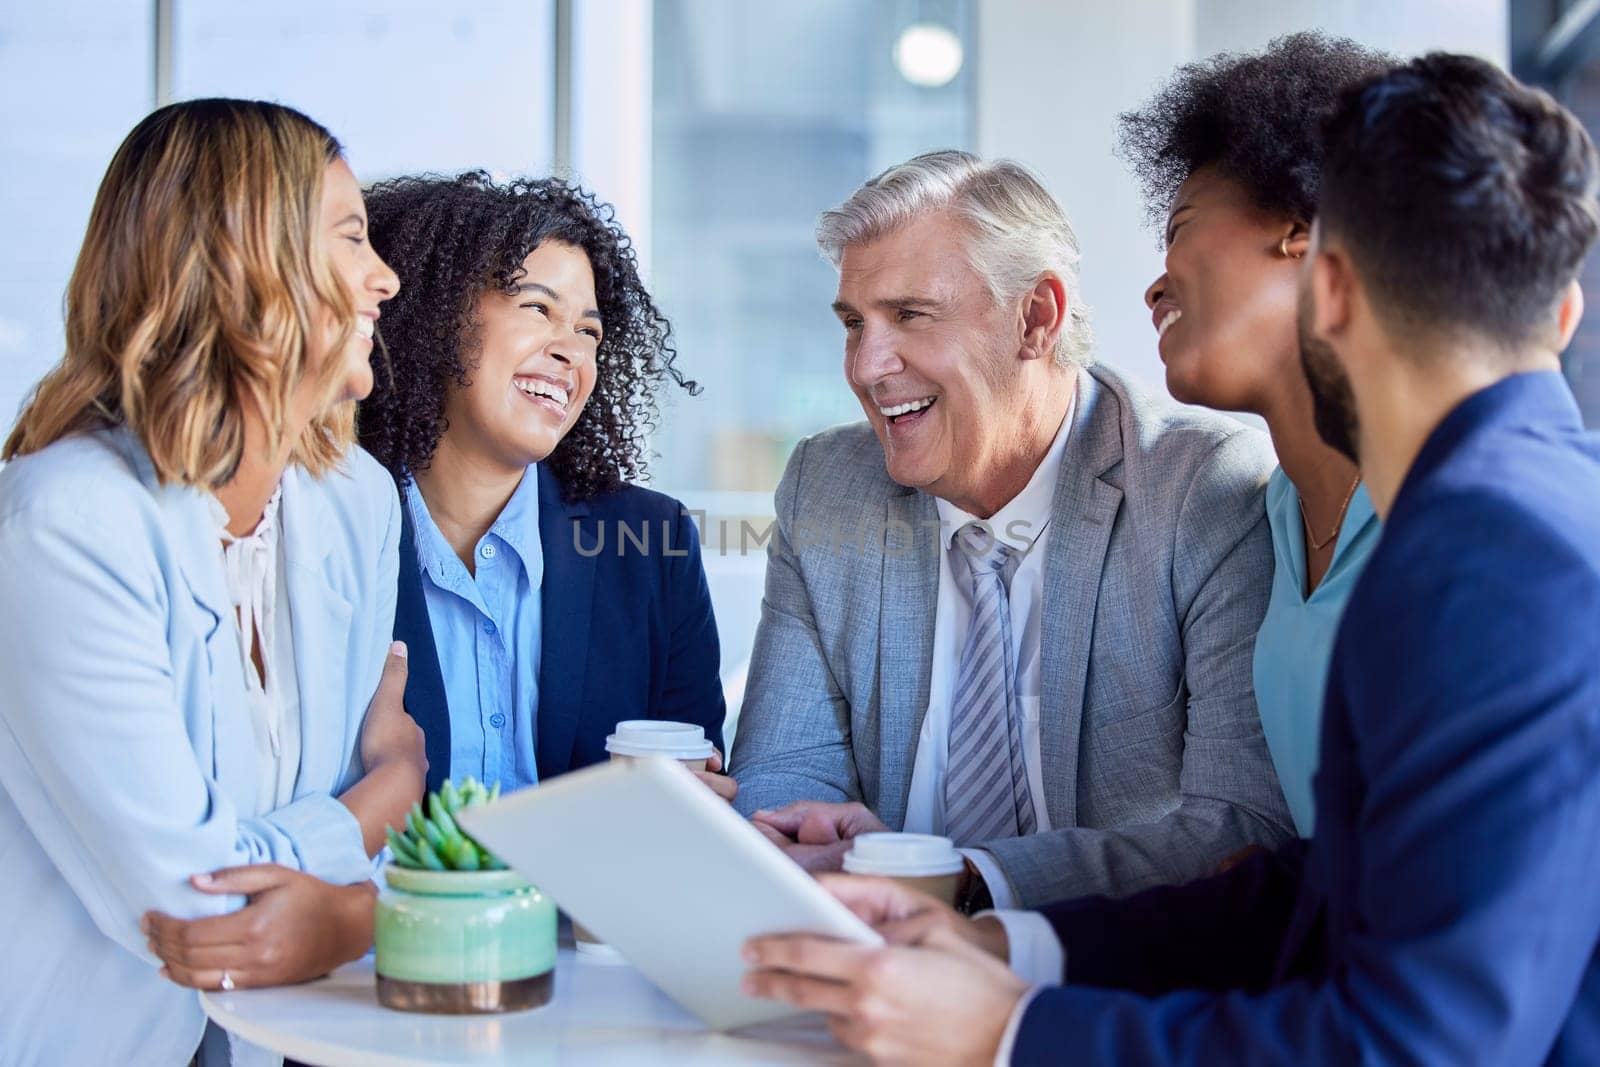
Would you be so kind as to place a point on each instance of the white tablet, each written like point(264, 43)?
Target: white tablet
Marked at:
point(656, 865)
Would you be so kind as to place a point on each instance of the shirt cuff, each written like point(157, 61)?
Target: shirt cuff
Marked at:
point(326, 838)
point(993, 877)
point(1033, 950)
point(1008, 1040)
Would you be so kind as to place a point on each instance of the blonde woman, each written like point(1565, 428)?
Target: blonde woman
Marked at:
point(199, 593)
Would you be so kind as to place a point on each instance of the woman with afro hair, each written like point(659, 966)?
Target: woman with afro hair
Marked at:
point(1229, 155)
point(542, 597)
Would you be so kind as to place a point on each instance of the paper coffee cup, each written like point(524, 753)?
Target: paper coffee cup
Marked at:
point(923, 862)
point(682, 741)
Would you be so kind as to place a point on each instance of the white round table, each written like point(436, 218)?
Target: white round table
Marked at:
point(602, 1012)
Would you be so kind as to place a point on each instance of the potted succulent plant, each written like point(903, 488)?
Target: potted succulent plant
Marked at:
point(457, 932)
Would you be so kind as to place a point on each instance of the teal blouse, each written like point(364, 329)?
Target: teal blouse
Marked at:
point(1295, 641)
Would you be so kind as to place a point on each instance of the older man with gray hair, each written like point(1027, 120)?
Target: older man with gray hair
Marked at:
point(1016, 606)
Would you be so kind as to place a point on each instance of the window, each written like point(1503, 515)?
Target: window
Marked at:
point(763, 115)
point(406, 85)
point(74, 78)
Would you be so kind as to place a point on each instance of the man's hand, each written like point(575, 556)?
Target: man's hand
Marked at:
point(294, 928)
point(940, 999)
point(720, 784)
point(816, 834)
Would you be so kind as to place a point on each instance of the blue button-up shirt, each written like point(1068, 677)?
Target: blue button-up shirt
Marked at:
point(1295, 642)
point(487, 629)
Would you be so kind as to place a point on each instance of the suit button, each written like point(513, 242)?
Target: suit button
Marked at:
point(497, 720)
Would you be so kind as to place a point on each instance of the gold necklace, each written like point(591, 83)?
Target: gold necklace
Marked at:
point(1318, 546)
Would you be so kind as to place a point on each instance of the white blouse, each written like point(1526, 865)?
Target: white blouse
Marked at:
point(254, 566)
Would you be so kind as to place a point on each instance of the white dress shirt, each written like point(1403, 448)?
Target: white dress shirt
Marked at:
point(253, 566)
point(1024, 524)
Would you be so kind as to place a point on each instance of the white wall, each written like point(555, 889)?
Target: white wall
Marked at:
point(1053, 76)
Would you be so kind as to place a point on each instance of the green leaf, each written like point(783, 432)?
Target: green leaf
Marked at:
point(430, 858)
point(404, 853)
point(451, 798)
point(432, 835)
point(415, 821)
point(447, 825)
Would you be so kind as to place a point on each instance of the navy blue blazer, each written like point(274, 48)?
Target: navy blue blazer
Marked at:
point(627, 630)
point(1447, 910)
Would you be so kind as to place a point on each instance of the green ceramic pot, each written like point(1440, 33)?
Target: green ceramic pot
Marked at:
point(460, 942)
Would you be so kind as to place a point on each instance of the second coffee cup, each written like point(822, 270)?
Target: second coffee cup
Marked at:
point(683, 741)
point(923, 862)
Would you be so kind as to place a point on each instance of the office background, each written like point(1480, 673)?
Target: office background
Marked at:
point(718, 128)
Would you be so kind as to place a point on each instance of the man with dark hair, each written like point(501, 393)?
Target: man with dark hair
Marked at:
point(1446, 911)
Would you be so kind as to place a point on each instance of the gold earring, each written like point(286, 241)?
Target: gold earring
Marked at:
point(1283, 246)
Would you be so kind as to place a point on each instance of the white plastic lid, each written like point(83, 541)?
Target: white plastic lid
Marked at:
point(650, 737)
point(903, 855)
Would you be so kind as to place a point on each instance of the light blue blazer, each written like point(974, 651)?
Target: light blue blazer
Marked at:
point(126, 755)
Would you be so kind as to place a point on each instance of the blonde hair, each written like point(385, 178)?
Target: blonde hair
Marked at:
point(1016, 230)
point(198, 290)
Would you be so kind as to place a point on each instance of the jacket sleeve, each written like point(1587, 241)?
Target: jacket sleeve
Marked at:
point(1222, 932)
point(793, 738)
point(94, 750)
point(1464, 696)
point(1229, 793)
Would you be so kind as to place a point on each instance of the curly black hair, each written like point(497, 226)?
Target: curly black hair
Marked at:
point(449, 240)
point(1257, 117)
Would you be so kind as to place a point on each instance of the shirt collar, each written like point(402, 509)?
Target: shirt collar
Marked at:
point(518, 522)
point(517, 525)
point(266, 531)
point(1022, 520)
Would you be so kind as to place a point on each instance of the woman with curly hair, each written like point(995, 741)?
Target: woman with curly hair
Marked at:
point(1229, 156)
point(543, 597)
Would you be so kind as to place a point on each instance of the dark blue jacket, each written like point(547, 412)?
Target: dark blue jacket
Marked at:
point(627, 628)
point(1447, 910)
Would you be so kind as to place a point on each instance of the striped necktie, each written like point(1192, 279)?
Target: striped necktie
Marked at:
point(986, 785)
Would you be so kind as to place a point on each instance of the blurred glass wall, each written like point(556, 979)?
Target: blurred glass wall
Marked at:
point(764, 115)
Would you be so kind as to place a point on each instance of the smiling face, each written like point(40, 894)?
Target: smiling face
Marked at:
point(930, 354)
point(1225, 307)
point(342, 233)
point(534, 367)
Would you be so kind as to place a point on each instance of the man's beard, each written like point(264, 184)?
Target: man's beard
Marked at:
point(1333, 405)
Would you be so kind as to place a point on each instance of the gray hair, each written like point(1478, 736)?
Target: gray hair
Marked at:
point(1018, 231)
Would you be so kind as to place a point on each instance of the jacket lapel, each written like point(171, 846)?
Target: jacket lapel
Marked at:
point(566, 603)
point(907, 606)
point(320, 618)
point(1082, 514)
point(426, 698)
point(190, 525)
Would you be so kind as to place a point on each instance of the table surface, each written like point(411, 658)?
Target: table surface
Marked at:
point(603, 1011)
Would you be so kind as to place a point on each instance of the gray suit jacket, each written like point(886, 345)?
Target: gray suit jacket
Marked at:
point(1156, 578)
